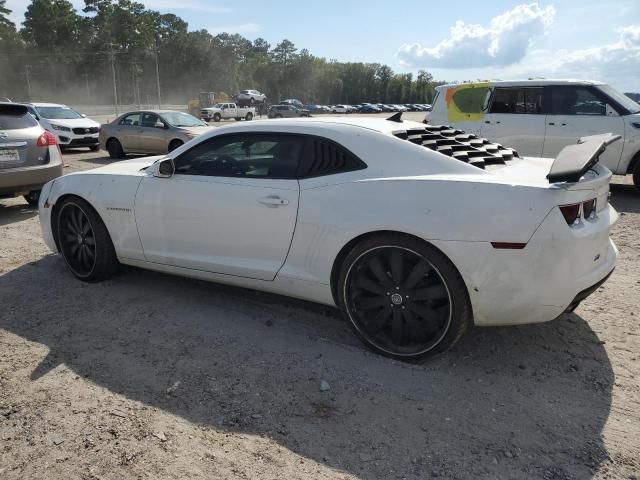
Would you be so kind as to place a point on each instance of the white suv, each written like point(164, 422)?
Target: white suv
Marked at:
point(72, 129)
point(540, 117)
point(251, 96)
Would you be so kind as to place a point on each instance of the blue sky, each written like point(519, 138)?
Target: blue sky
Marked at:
point(490, 39)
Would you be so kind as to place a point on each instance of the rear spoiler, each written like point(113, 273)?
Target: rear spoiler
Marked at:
point(574, 161)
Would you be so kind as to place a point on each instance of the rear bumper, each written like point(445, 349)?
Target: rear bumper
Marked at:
point(19, 181)
point(558, 267)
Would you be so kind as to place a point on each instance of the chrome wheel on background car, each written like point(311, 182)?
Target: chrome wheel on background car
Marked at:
point(404, 299)
point(77, 240)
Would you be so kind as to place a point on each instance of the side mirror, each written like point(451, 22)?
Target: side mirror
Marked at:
point(83, 115)
point(164, 168)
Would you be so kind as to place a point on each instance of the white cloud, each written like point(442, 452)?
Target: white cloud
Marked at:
point(504, 42)
point(244, 28)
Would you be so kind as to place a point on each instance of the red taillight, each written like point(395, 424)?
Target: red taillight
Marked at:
point(571, 212)
point(589, 208)
point(46, 139)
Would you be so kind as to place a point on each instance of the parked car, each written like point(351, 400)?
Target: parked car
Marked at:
point(251, 97)
point(384, 107)
point(72, 129)
point(292, 101)
point(312, 108)
point(149, 131)
point(454, 231)
point(226, 111)
point(287, 111)
point(339, 109)
point(29, 155)
point(540, 117)
point(368, 108)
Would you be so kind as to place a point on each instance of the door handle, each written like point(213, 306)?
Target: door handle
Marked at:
point(498, 122)
point(274, 201)
point(487, 121)
point(551, 123)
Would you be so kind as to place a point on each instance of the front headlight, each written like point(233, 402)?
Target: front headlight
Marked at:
point(60, 128)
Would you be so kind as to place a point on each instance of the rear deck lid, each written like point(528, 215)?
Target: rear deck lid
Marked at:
point(574, 161)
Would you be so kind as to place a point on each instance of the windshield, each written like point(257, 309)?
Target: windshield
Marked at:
point(217, 105)
point(179, 119)
point(61, 113)
point(622, 99)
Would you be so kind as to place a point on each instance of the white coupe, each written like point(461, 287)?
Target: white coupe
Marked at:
point(414, 231)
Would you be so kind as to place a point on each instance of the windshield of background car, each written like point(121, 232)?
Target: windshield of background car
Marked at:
point(626, 102)
point(58, 113)
point(12, 118)
point(179, 119)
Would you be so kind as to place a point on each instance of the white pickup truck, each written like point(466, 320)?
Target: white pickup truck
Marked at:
point(227, 110)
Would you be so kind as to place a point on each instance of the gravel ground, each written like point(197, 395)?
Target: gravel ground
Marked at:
point(150, 376)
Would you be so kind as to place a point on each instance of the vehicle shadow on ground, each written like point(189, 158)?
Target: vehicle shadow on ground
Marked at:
point(625, 198)
point(13, 213)
point(516, 402)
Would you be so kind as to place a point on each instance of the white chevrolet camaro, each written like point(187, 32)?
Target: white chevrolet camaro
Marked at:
point(413, 231)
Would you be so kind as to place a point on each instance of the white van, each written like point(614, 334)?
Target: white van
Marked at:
point(540, 117)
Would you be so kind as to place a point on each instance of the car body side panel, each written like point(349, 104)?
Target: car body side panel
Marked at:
point(112, 196)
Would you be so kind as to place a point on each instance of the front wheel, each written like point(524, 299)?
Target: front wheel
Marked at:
point(84, 241)
point(115, 149)
point(175, 144)
point(636, 175)
point(94, 148)
point(216, 117)
point(403, 297)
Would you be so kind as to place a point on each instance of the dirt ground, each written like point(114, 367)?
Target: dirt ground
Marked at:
point(149, 376)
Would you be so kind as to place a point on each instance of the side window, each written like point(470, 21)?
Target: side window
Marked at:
point(517, 100)
point(133, 119)
point(151, 120)
point(244, 155)
point(569, 100)
point(325, 157)
point(470, 100)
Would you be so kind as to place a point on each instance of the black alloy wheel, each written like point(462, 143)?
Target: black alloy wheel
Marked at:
point(404, 299)
point(84, 241)
point(77, 240)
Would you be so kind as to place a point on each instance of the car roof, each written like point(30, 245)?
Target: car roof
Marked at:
point(537, 82)
point(45, 104)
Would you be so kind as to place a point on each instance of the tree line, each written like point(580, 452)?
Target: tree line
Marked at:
point(59, 54)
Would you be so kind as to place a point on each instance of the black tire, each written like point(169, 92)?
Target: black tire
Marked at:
point(636, 175)
point(32, 198)
point(252, 101)
point(249, 117)
point(238, 119)
point(279, 115)
point(175, 144)
point(216, 117)
point(403, 297)
point(114, 147)
point(94, 148)
point(84, 241)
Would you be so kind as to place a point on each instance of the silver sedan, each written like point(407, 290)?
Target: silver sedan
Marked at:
point(149, 131)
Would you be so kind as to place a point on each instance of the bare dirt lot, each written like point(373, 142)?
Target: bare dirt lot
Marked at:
point(150, 376)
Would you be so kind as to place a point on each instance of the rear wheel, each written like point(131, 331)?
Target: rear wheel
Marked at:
point(175, 144)
point(84, 241)
point(249, 116)
point(403, 297)
point(115, 149)
point(32, 198)
point(636, 175)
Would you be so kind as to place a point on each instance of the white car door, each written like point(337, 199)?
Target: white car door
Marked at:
point(515, 119)
point(229, 208)
point(578, 111)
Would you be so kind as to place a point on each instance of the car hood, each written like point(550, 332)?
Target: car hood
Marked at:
point(194, 131)
point(212, 109)
point(73, 122)
point(123, 167)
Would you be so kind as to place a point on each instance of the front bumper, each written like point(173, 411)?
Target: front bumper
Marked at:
point(70, 139)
